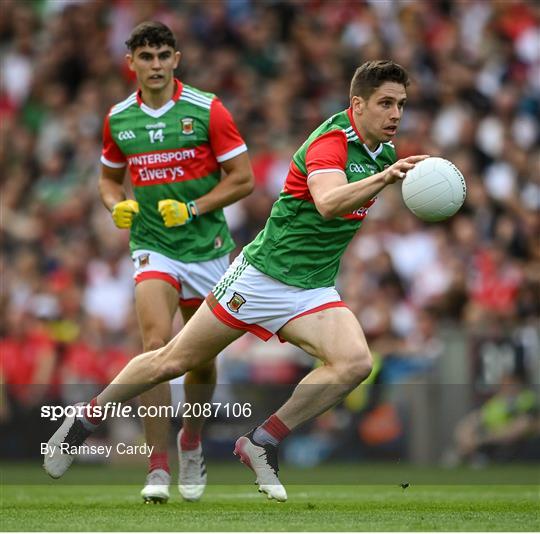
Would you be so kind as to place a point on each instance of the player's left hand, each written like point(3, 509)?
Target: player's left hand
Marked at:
point(177, 213)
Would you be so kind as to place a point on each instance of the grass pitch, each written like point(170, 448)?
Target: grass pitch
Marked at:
point(54, 506)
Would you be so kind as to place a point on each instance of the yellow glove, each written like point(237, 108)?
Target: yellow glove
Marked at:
point(123, 213)
point(177, 213)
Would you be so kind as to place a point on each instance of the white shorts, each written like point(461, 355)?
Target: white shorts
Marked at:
point(247, 299)
point(193, 281)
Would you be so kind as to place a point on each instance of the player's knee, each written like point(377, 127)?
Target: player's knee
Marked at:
point(357, 368)
point(165, 365)
point(361, 370)
point(169, 369)
point(173, 360)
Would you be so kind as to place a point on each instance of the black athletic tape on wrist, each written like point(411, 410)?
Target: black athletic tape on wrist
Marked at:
point(192, 208)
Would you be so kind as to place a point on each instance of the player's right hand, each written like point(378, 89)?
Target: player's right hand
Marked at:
point(399, 169)
point(123, 213)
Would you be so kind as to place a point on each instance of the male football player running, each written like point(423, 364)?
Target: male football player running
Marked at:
point(175, 141)
point(283, 282)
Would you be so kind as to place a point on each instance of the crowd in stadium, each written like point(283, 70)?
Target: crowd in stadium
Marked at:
point(281, 67)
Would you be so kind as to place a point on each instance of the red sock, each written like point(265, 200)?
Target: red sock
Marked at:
point(189, 441)
point(159, 460)
point(91, 415)
point(276, 428)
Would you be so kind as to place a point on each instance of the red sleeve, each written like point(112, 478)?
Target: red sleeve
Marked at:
point(225, 139)
point(327, 153)
point(111, 155)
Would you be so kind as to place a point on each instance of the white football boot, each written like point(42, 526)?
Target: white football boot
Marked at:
point(58, 458)
point(262, 459)
point(156, 487)
point(192, 472)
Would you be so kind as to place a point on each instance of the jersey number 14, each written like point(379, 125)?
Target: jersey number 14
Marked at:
point(156, 135)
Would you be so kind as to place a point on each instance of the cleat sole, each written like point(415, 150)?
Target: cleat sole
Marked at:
point(154, 500)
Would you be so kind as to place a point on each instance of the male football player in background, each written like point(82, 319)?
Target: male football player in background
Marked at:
point(283, 282)
point(175, 141)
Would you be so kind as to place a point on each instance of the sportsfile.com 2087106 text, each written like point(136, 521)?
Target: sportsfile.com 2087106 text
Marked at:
point(182, 409)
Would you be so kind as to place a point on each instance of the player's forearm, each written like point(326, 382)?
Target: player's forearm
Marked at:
point(232, 188)
point(111, 192)
point(349, 197)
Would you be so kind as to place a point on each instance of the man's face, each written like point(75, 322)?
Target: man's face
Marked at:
point(154, 66)
point(379, 115)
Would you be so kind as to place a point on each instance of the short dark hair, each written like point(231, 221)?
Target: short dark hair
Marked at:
point(150, 33)
point(372, 74)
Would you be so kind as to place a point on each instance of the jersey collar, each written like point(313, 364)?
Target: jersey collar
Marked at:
point(166, 107)
point(374, 153)
point(351, 120)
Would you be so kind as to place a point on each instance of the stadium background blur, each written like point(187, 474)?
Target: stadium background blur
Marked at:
point(450, 310)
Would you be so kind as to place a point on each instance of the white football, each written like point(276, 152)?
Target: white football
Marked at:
point(434, 190)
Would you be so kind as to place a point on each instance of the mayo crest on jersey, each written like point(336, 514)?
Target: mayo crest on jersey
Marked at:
point(174, 152)
point(298, 246)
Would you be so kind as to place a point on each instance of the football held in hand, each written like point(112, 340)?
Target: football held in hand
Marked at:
point(434, 190)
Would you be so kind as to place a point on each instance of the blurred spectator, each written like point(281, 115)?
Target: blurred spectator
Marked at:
point(507, 426)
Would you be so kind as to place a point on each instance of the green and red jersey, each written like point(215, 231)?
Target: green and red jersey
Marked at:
point(298, 246)
point(174, 152)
